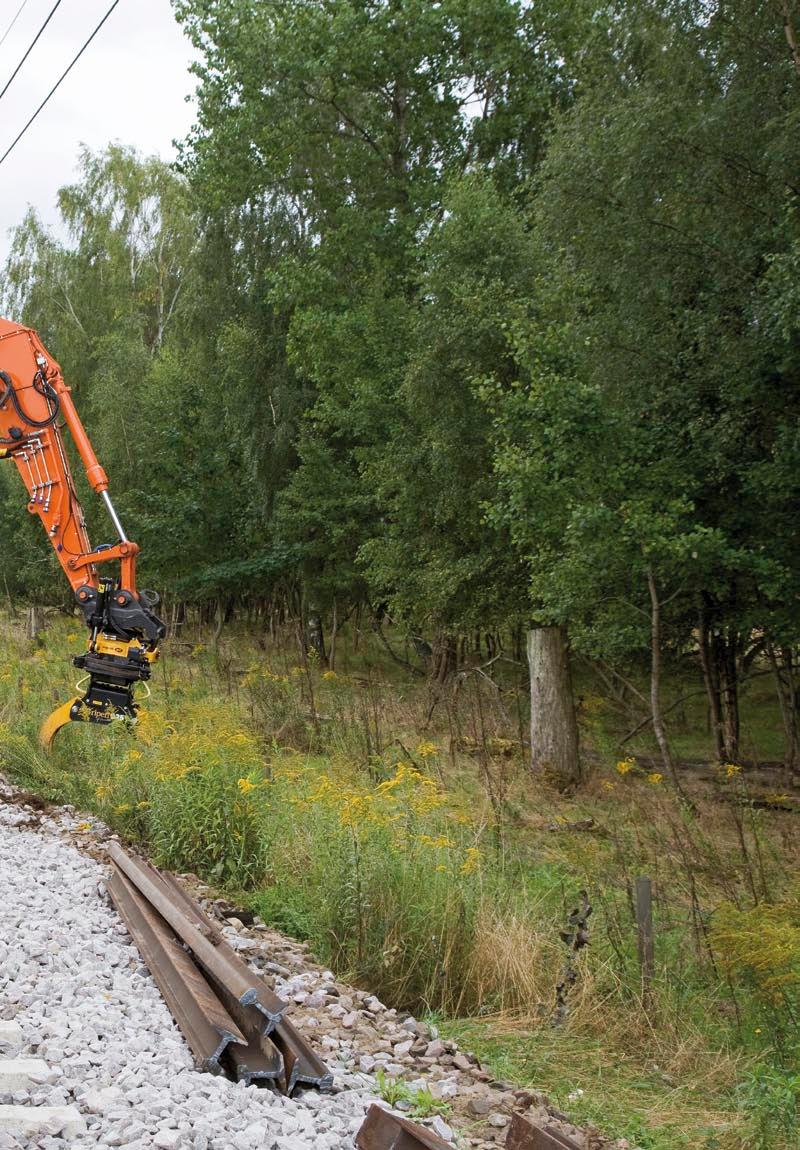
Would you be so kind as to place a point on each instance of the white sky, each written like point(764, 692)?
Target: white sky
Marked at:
point(129, 86)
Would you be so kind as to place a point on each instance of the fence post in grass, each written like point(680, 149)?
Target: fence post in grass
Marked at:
point(644, 927)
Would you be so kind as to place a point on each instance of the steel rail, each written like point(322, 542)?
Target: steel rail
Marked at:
point(303, 1066)
point(219, 960)
point(382, 1130)
point(523, 1134)
point(208, 1028)
point(250, 1064)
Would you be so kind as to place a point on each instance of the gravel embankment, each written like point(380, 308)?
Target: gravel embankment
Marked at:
point(75, 993)
point(73, 981)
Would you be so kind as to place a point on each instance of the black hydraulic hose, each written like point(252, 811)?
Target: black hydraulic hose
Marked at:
point(44, 389)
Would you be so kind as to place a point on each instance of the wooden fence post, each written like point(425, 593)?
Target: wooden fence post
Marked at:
point(644, 927)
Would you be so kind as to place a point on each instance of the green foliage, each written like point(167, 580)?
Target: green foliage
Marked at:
point(394, 865)
point(770, 1098)
point(422, 1102)
point(456, 316)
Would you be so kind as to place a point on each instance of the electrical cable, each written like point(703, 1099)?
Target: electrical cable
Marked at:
point(31, 46)
point(57, 84)
point(13, 22)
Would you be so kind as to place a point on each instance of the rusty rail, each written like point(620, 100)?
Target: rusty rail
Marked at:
point(216, 958)
point(260, 1044)
point(206, 1025)
point(382, 1130)
point(524, 1135)
point(301, 1066)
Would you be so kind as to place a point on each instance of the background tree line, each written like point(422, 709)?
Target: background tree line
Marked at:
point(471, 316)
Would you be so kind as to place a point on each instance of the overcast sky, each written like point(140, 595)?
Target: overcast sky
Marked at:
point(130, 85)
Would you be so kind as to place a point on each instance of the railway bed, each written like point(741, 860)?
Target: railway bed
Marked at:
point(94, 1058)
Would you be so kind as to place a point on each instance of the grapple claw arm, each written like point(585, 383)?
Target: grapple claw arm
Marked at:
point(53, 724)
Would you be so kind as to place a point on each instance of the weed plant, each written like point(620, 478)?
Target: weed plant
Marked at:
point(395, 826)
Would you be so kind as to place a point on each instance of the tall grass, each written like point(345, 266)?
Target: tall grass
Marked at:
point(399, 831)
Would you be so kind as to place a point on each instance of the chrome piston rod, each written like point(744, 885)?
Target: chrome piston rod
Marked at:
point(123, 538)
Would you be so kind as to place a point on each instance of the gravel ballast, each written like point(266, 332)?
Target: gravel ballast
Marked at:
point(110, 1068)
point(73, 982)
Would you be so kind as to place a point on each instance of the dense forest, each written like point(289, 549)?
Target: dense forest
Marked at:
point(467, 317)
point(460, 332)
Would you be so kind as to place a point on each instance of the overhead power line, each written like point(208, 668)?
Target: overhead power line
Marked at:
point(31, 46)
point(57, 84)
point(13, 22)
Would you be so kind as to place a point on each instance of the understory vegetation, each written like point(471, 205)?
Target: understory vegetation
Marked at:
point(395, 825)
point(461, 335)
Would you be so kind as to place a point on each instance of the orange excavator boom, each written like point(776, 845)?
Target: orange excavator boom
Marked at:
point(124, 633)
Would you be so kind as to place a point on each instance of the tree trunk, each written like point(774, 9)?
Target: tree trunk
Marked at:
point(554, 728)
point(659, 728)
point(711, 681)
point(332, 642)
point(34, 623)
point(316, 635)
point(787, 698)
point(655, 676)
point(445, 658)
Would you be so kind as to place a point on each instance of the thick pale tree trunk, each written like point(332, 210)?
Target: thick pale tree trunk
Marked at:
point(554, 728)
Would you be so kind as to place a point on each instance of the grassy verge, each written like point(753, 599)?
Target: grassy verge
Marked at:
point(400, 832)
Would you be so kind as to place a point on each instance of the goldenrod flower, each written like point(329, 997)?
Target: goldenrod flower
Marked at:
point(427, 750)
point(245, 786)
point(441, 842)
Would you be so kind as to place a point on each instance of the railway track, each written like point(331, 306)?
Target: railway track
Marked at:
point(90, 1055)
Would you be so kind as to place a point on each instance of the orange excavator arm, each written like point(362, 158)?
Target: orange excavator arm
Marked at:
point(124, 633)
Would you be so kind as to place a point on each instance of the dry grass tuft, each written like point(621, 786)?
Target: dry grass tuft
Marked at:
point(513, 965)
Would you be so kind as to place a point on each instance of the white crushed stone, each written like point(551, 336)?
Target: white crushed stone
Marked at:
point(72, 980)
point(10, 1035)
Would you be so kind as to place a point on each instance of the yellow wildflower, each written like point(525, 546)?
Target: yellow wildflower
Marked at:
point(330, 676)
point(441, 842)
point(122, 809)
point(240, 739)
point(142, 806)
point(655, 778)
point(102, 792)
point(441, 869)
point(472, 859)
point(607, 786)
point(245, 786)
point(427, 750)
point(731, 769)
point(626, 765)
